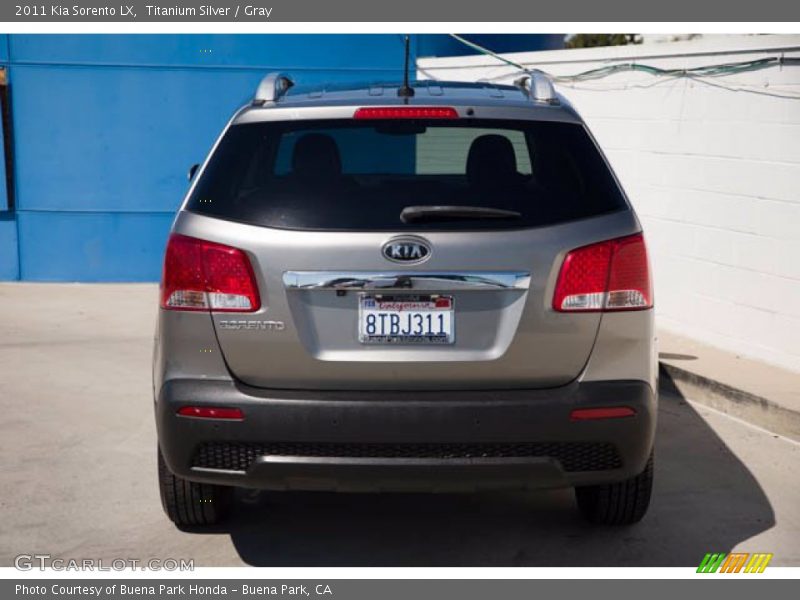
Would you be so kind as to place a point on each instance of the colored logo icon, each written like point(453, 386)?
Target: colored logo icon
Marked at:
point(735, 562)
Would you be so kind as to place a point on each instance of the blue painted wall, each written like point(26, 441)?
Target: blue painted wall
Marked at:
point(442, 45)
point(9, 259)
point(105, 127)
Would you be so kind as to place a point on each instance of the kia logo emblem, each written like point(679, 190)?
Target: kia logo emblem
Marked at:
point(406, 250)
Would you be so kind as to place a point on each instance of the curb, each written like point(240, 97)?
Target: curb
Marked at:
point(754, 409)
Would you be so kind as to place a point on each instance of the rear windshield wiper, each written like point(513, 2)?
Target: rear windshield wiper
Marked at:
point(416, 214)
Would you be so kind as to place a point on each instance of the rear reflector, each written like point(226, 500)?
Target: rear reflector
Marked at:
point(211, 412)
point(608, 276)
point(406, 112)
point(591, 414)
point(202, 275)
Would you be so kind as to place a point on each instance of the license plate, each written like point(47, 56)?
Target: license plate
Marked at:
point(406, 319)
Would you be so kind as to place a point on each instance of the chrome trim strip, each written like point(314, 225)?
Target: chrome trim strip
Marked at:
point(399, 280)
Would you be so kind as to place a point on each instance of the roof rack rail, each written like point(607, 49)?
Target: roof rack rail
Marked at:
point(538, 85)
point(272, 87)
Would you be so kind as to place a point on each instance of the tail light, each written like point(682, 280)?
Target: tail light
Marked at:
point(202, 275)
point(406, 112)
point(608, 276)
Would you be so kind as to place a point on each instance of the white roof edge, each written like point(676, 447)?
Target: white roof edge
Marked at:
point(709, 45)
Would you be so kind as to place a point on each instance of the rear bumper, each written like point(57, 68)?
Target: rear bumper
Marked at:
point(434, 441)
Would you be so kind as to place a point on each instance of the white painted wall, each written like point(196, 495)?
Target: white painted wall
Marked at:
point(713, 173)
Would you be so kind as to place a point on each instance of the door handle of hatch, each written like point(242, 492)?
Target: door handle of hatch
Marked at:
point(399, 280)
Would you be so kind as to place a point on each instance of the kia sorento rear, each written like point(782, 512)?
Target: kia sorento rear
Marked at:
point(444, 292)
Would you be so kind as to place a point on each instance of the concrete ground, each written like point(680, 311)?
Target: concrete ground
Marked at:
point(77, 438)
point(751, 390)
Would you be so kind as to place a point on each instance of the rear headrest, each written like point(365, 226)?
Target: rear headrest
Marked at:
point(316, 156)
point(555, 170)
point(492, 161)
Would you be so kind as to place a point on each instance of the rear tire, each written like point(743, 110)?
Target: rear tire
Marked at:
point(622, 503)
point(189, 502)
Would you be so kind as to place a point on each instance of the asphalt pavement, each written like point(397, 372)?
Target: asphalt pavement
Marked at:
point(77, 440)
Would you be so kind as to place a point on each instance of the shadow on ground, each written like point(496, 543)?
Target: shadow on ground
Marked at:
point(705, 500)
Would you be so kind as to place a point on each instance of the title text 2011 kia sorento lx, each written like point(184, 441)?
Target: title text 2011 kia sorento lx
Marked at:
point(442, 290)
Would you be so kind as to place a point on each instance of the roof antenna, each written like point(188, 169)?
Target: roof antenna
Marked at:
point(406, 91)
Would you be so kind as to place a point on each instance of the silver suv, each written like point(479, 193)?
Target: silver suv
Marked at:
point(436, 287)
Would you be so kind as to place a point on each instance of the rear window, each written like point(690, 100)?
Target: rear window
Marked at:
point(360, 175)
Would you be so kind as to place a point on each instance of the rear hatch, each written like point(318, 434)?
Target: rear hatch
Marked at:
point(414, 253)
